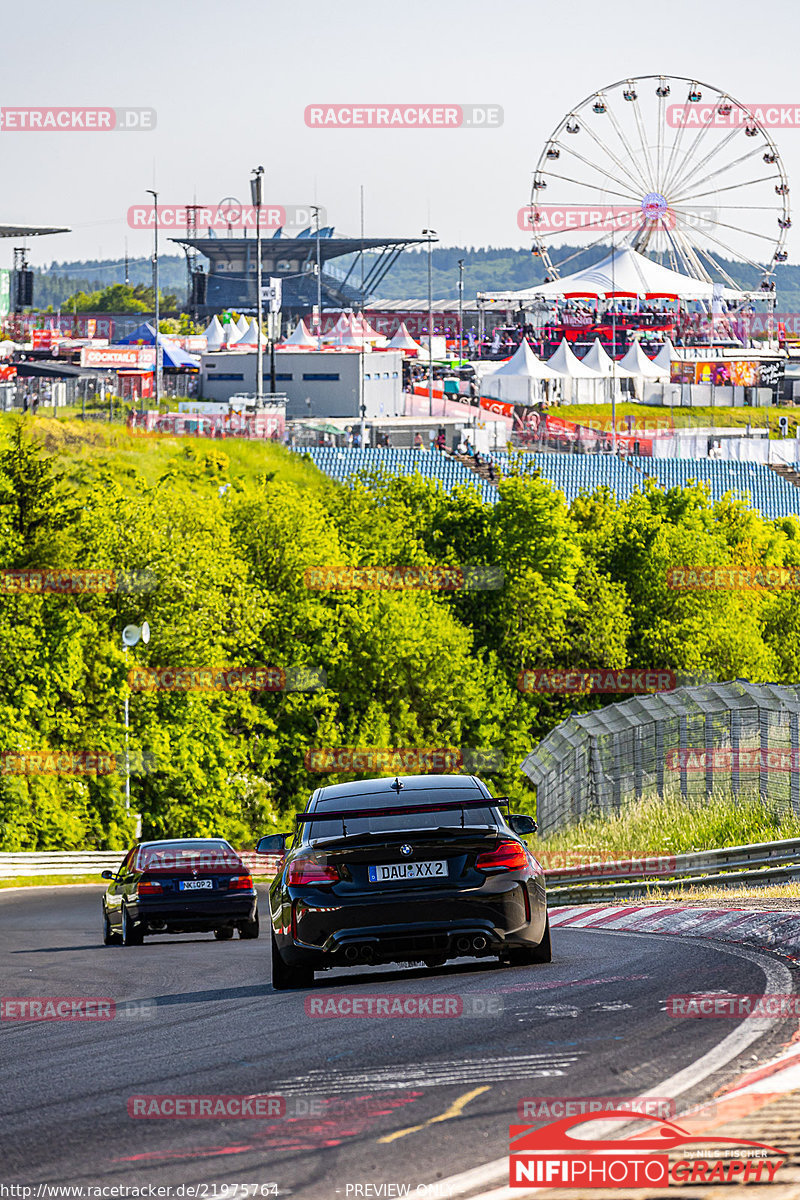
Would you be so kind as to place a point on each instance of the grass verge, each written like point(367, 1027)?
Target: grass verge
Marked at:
point(671, 826)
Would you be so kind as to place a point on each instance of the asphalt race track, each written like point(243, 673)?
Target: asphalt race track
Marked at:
point(394, 1100)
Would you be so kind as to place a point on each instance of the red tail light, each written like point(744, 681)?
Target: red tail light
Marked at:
point(508, 856)
point(146, 887)
point(241, 883)
point(306, 871)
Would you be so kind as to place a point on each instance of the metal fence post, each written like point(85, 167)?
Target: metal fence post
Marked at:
point(683, 739)
point(708, 745)
point(763, 730)
point(736, 734)
point(660, 758)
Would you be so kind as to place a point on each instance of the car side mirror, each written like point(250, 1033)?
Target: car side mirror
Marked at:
point(107, 875)
point(273, 843)
point(522, 824)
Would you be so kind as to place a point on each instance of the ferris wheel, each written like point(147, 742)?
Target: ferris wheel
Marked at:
point(678, 169)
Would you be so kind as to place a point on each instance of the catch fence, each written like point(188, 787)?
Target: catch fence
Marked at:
point(738, 738)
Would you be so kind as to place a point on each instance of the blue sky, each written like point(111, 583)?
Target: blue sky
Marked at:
point(230, 83)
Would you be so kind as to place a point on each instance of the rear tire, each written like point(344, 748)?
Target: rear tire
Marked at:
point(132, 933)
point(249, 929)
point(225, 934)
point(285, 977)
point(110, 936)
point(531, 954)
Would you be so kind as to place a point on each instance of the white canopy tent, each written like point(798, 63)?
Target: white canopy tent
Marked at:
point(403, 340)
point(583, 387)
point(600, 360)
point(230, 334)
point(637, 361)
point(666, 355)
point(623, 272)
point(243, 325)
point(215, 335)
point(523, 379)
point(251, 337)
point(300, 338)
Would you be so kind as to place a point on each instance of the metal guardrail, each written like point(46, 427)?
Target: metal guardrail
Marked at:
point(756, 864)
point(20, 864)
point(616, 879)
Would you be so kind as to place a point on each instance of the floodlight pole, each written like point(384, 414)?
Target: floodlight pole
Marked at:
point(127, 755)
point(315, 210)
point(460, 312)
point(157, 367)
point(255, 190)
point(430, 234)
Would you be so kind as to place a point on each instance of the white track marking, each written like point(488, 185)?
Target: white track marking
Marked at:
point(778, 979)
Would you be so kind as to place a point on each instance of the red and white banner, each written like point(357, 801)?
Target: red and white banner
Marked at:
point(112, 357)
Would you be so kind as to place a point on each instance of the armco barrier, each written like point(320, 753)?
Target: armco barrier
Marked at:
point(91, 862)
point(756, 864)
point(761, 862)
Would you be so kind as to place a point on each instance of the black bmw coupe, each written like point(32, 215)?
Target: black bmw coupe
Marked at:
point(421, 868)
point(186, 885)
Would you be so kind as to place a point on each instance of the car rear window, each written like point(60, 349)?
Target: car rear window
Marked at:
point(386, 823)
point(178, 856)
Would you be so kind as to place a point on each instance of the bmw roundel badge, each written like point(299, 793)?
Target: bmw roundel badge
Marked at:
point(406, 849)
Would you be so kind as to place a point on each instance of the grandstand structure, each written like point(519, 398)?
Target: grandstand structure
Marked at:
point(344, 464)
point(772, 494)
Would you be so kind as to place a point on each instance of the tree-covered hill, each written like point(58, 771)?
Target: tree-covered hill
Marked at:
point(221, 537)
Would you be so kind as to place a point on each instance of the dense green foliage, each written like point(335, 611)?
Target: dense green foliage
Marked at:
point(227, 535)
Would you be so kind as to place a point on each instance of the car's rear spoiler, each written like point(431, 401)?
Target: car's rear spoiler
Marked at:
point(398, 810)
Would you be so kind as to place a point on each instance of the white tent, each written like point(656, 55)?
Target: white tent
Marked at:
point(300, 338)
point(567, 363)
point(215, 335)
point(342, 328)
point(666, 355)
point(600, 360)
point(362, 327)
point(520, 380)
point(243, 325)
point(403, 340)
point(637, 361)
point(251, 337)
point(623, 271)
point(230, 333)
point(582, 387)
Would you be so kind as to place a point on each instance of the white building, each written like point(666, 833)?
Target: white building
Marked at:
point(326, 383)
